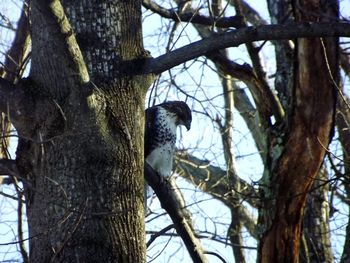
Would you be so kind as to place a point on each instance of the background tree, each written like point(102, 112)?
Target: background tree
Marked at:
point(79, 122)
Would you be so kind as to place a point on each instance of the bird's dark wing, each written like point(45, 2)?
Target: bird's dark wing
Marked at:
point(150, 142)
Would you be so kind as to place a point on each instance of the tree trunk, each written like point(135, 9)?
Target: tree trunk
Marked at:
point(81, 147)
point(317, 232)
point(343, 120)
point(281, 13)
point(295, 158)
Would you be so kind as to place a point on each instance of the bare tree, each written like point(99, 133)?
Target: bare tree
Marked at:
point(79, 118)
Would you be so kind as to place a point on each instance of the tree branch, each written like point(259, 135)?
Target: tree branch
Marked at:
point(244, 35)
point(20, 47)
point(182, 225)
point(8, 167)
point(345, 62)
point(50, 26)
point(223, 22)
point(342, 122)
point(226, 130)
point(155, 235)
point(242, 103)
point(212, 179)
point(20, 233)
point(14, 64)
point(251, 14)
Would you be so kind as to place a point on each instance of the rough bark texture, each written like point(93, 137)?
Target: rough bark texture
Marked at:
point(81, 146)
point(343, 120)
point(281, 13)
point(80, 120)
point(316, 230)
point(11, 71)
point(295, 159)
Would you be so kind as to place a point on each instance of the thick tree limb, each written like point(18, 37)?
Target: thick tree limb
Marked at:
point(213, 180)
point(50, 27)
point(224, 22)
point(244, 35)
point(183, 226)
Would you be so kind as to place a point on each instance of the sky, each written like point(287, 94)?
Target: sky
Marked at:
point(209, 211)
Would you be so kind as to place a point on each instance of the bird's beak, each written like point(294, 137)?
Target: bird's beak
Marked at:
point(188, 125)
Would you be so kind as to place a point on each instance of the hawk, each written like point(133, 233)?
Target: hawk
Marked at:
point(160, 133)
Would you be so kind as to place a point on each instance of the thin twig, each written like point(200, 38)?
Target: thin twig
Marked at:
point(158, 234)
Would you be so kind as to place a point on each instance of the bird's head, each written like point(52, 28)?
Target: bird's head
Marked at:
point(181, 111)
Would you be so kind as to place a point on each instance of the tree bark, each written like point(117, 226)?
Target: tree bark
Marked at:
point(316, 229)
point(281, 13)
point(174, 205)
point(343, 120)
point(81, 142)
point(12, 70)
point(294, 159)
point(241, 36)
point(80, 121)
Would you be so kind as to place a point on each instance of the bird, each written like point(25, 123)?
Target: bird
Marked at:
point(161, 123)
